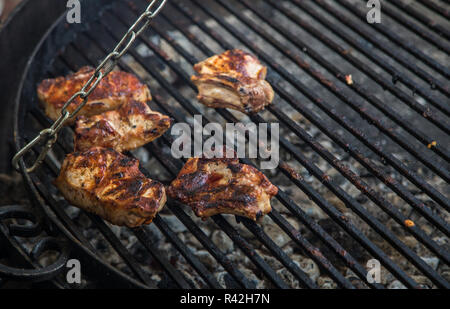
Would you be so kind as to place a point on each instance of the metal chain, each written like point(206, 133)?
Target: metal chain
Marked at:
point(50, 135)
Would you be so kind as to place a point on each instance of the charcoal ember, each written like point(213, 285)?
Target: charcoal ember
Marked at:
point(433, 262)
point(167, 283)
point(352, 247)
point(423, 281)
point(310, 268)
point(326, 283)
point(239, 258)
point(270, 260)
point(276, 234)
point(172, 254)
point(288, 249)
point(222, 241)
point(252, 278)
point(396, 285)
point(289, 278)
point(294, 222)
point(84, 221)
point(141, 254)
point(193, 242)
point(226, 281)
point(176, 225)
point(207, 259)
point(336, 202)
point(191, 275)
point(153, 233)
point(446, 274)
point(302, 200)
point(410, 241)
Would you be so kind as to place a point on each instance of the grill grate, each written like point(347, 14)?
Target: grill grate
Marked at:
point(215, 27)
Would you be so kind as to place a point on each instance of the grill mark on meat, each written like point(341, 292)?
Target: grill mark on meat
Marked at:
point(235, 72)
point(131, 126)
point(110, 184)
point(112, 91)
point(213, 186)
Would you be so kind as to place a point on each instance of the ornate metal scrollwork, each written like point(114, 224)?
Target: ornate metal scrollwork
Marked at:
point(8, 233)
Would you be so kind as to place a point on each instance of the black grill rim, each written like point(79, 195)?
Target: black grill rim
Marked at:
point(33, 182)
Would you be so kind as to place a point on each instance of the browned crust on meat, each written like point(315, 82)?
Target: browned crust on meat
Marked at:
point(109, 184)
point(115, 89)
point(238, 72)
point(132, 125)
point(254, 94)
point(223, 186)
point(232, 60)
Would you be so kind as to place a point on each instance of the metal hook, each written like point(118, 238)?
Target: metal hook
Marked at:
point(50, 140)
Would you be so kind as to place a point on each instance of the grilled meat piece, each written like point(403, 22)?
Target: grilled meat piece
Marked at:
point(115, 89)
point(109, 184)
point(130, 126)
point(234, 79)
point(223, 186)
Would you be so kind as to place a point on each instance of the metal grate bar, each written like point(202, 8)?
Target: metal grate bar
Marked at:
point(141, 233)
point(53, 204)
point(121, 250)
point(171, 271)
point(277, 251)
point(301, 241)
point(328, 204)
point(274, 278)
point(190, 37)
point(232, 30)
point(249, 251)
point(206, 242)
point(176, 208)
point(162, 56)
point(396, 75)
point(441, 30)
point(238, 35)
point(89, 47)
point(166, 230)
point(187, 253)
point(435, 7)
point(107, 233)
point(423, 33)
point(412, 67)
point(359, 108)
point(112, 239)
point(274, 109)
point(397, 39)
point(142, 62)
point(338, 118)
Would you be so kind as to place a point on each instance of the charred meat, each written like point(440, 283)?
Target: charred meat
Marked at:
point(234, 79)
point(223, 186)
point(130, 126)
point(115, 89)
point(109, 184)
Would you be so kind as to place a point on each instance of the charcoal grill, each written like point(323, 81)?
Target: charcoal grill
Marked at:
point(391, 120)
